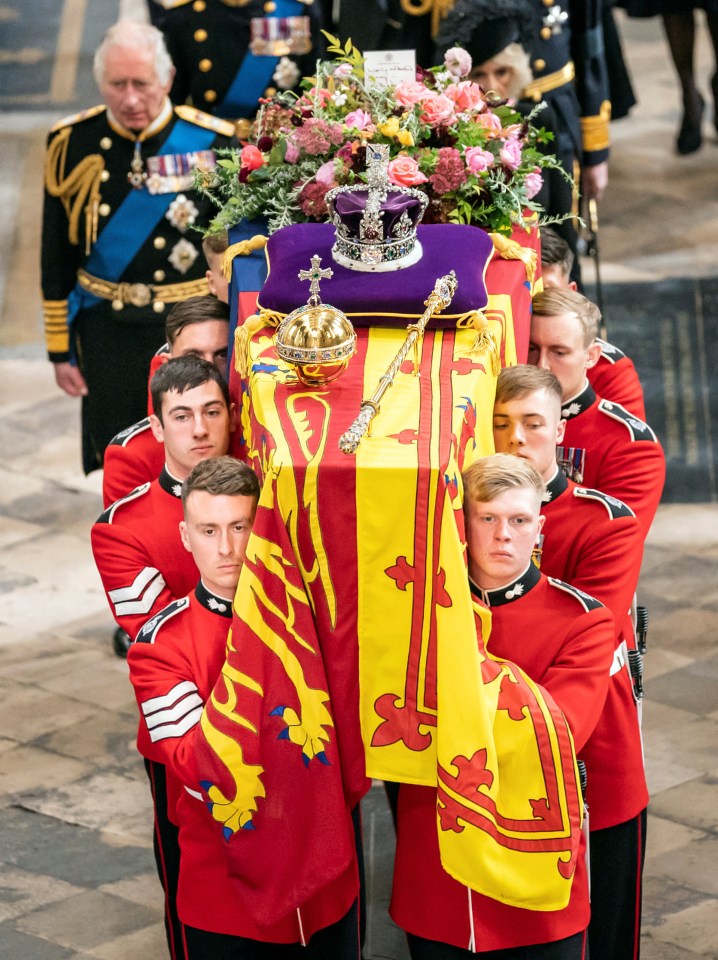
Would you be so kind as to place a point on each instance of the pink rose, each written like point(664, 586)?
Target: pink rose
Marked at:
point(465, 96)
point(510, 154)
point(490, 122)
point(533, 183)
point(438, 111)
point(404, 171)
point(251, 158)
point(343, 71)
point(358, 119)
point(478, 160)
point(409, 92)
point(291, 154)
point(325, 174)
point(458, 62)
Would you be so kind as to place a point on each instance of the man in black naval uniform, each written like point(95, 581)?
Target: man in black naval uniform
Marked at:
point(569, 68)
point(118, 244)
point(229, 53)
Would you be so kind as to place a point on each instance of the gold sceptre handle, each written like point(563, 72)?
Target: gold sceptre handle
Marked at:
point(438, 300)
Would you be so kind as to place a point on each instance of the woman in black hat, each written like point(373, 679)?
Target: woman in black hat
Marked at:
point(496, 33)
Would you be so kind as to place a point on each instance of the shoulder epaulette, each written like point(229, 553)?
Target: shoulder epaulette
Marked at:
point(637, 428)
point(108, 516)
point(172, 4)
point(78, 117)
point(610, 352)
point(202, 119)
point(616, 508)
point(122, 438)
point(585, 599)
point(149, 631)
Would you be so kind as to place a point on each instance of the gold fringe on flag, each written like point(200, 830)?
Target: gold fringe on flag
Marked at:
point(509, 249)
point(79, 191)
point(241, 249)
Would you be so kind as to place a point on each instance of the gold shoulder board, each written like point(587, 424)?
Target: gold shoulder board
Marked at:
point(78, 117)
point(202, 119)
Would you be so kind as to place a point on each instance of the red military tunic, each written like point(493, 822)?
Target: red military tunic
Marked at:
point(622, 456)
point(594, 542)
point(564, 640)
point(139, 554)
point(132, 458)
point(614, 377)
point(174, 665)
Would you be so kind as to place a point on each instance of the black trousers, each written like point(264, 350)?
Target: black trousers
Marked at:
point(617, 855)
point(570, 948)
point(114, 358)
point(340, 941)
point(167, 856)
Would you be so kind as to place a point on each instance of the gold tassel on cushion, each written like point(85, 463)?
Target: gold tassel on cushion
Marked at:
point(485, 341)
point(509, 249)
point(241, 249)
point(243, 335)
point(79, 190)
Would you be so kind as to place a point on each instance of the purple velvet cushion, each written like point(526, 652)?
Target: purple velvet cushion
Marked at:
point(386, 299)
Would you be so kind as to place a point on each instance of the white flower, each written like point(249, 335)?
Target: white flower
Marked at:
point(339, 98)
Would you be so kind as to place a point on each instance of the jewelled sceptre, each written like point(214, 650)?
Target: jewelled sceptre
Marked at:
point(438, 300)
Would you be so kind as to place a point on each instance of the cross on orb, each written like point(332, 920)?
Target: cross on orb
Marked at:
point(315, 275)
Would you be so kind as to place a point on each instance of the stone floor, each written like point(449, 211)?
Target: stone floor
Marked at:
point(76, 873)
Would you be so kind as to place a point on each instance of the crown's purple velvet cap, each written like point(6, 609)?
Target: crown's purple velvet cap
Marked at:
point(370, 299)
point(350, 208)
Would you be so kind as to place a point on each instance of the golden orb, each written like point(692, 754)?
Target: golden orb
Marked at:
point(317, 341)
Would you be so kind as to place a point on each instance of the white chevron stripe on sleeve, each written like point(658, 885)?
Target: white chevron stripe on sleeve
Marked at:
point(180, 690)
point(173, 713)
point(138, 602)
point(177, 729)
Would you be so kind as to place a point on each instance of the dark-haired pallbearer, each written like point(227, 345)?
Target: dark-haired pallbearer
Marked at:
point(198, 326)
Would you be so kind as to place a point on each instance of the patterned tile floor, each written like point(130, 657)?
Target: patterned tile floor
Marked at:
point(76, 872)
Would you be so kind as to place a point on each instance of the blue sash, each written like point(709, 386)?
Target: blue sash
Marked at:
point(255, 72)
point(134, 220)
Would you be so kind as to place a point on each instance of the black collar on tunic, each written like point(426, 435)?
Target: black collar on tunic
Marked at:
point(213, 603)
point(170, 484)
point(556, 486)
point(510, 591)
point(576, 405)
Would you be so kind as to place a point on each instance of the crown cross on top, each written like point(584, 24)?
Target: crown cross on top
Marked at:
point(315, 275)
point(377, 163)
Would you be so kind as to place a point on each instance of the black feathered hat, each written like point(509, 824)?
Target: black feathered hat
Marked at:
point(484, 28)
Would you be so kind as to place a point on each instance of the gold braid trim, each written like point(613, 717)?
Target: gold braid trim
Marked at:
point(509, 249)
point(485, 341)
point(595, 129)
point(79, 190)
point(241, 249)
point(439, 9)
point(243, 335)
